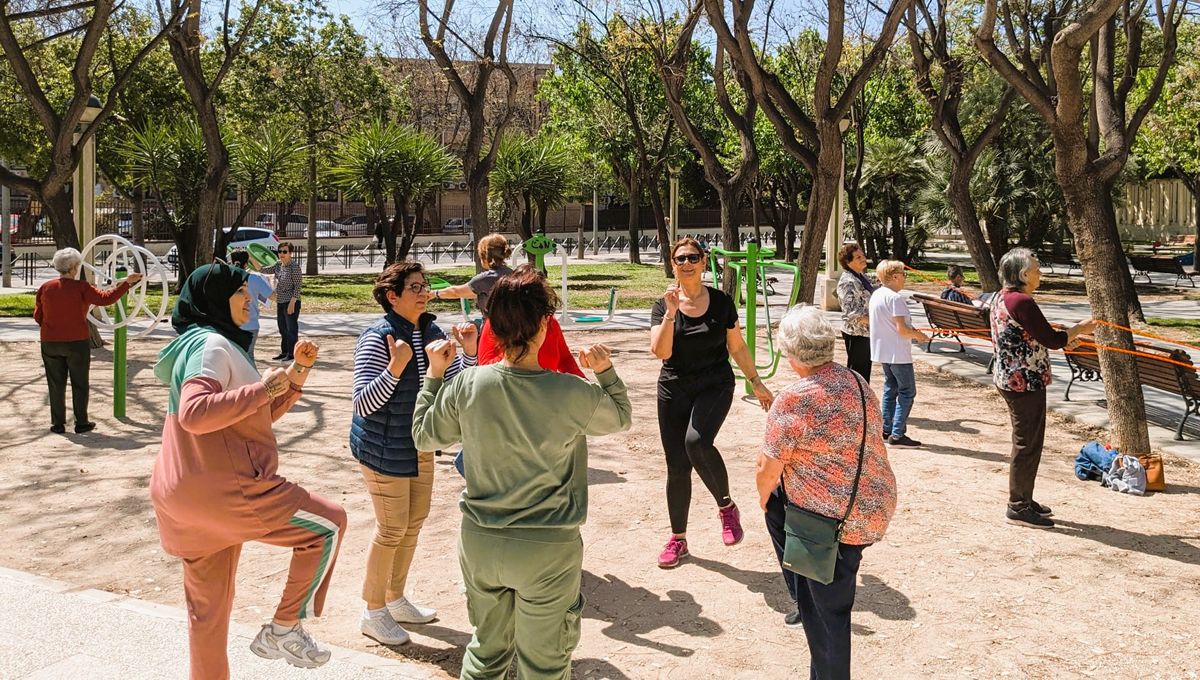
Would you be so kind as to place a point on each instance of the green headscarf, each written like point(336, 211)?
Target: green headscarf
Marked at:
point(204, 301)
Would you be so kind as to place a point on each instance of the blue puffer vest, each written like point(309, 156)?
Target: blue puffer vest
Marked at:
point(383, 440)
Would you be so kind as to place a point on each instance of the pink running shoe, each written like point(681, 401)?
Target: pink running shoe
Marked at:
point(731, 525)
point(675, 550)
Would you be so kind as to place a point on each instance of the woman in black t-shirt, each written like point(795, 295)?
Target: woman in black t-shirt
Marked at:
point(694, 329)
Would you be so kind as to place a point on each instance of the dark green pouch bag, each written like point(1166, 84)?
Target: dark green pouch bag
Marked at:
point(810, 547)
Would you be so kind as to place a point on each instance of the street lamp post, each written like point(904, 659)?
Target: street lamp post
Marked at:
point(6, 225)
point(84, 184)
point(595, 221)
point(833, 236)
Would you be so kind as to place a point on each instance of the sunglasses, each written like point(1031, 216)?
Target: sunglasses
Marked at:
point(690, 257)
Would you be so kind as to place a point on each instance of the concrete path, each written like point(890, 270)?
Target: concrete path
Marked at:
point(51, 630)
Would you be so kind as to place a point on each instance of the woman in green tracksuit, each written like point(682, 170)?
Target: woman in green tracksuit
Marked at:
point(520, 549)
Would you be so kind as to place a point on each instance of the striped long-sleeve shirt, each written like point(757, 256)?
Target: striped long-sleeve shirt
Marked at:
point(288, 279)
point(374, 384)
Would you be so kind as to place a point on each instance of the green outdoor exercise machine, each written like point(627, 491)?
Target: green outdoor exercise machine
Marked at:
point(751, 265)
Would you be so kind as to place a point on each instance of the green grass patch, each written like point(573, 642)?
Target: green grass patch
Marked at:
point(1182, 329)
point(17, 304)
point(21, 304)
point(587, 288)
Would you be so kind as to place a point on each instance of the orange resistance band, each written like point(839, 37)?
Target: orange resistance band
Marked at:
point(1147, 335)
point(975, 341)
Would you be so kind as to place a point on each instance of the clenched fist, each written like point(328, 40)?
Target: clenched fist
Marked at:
point(399, 354)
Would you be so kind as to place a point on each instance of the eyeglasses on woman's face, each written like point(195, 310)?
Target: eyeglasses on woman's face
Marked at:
point(419, 288)
point(689, 257)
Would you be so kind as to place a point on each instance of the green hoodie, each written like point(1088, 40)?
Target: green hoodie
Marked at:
point(526, 437)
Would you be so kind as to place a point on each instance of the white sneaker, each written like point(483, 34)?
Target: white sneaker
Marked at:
point(379, 626)
point(294, 646)
point(404, 611)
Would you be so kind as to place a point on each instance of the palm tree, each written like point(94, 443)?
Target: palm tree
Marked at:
point(532, 175)
point(364, 164)
point(382, 159)
point(892, 173)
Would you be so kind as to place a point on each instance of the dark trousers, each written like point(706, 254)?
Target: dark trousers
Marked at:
point(289, 328)
point(63, 360)
point(1027, 411)
point(690, 413)
point(824, 609)
point(858, 354)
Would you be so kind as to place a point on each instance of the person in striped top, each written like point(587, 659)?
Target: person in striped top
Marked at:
point(390, 361)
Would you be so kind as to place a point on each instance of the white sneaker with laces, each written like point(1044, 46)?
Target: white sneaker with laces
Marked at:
point(404, 611)
point(294, 646)
point(378, 625)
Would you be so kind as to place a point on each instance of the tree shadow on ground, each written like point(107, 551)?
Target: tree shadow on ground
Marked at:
point(1168, 547)
point(449, 660)
point(769, 584)
point(598, 669)
point(639, 611)
point(945, 450)
point(959, 425)
point(882, 600)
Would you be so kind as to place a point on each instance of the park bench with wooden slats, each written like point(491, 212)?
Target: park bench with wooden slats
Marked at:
point(948, 319)
point(1168, 376)
point(1143, 265)
point(1053, 260)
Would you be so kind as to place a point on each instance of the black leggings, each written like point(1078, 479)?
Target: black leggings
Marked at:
point(690, 413)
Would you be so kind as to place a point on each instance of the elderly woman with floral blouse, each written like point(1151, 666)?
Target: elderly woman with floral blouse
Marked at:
point(810, 458)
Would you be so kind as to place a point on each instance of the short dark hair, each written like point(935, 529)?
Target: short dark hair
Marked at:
point(239, 258)
point(846, 253)
point(953, 272)
point(392, 278)
point(284, 246)
point(516, 307)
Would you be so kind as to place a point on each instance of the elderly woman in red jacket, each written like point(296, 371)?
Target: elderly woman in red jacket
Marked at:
point(61, 310)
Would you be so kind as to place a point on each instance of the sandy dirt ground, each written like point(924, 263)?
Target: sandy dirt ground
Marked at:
point(952, 591)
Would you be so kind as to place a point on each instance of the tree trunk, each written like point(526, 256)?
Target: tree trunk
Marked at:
point(664, 236)
point(1194, 189)
point(635, 218)
point(477, 189)
point(389, 232)
point(1037, 227)
point(997, 231)
point(899, 238)
point(57, 206)
point(821, 202)
point(408, 231)
point(793, 212)
point(1100, 256)
point(730, 234)
point(959, 193)
point(310, 260)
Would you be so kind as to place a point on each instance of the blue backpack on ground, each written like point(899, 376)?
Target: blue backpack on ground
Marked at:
point(1094, 460)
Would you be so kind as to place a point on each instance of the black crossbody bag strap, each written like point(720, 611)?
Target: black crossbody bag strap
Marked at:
point(862, 450)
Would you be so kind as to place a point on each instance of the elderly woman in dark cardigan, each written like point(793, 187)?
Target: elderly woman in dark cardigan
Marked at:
point(1022, 337)
point(389, 369)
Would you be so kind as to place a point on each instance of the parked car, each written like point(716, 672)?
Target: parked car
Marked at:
point(457, 225)
point(325, 229)
point(352, 221)
point(268, 221)
point(240, 241)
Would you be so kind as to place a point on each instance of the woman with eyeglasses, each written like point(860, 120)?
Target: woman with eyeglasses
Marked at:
point(694, 329)
point(389, 369)
point(288, 280)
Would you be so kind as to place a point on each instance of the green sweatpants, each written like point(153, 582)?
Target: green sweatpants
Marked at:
point(522, 597)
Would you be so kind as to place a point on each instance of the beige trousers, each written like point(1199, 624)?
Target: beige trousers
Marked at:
point(401, 506)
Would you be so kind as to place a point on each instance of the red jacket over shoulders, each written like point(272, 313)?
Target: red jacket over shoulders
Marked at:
point(554, 355)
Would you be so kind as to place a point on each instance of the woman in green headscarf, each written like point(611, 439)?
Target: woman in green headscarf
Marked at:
point(215, 483)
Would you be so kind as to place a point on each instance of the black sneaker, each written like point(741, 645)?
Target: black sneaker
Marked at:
point(58, 429)
point(1040, 509)
point(81, 428)
point(903, 442)
point(279, 356)
point(793, 620)
point(887, 435)
point(1028, 517)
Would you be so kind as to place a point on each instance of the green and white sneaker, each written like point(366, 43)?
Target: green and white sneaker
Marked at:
point(293, 645)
